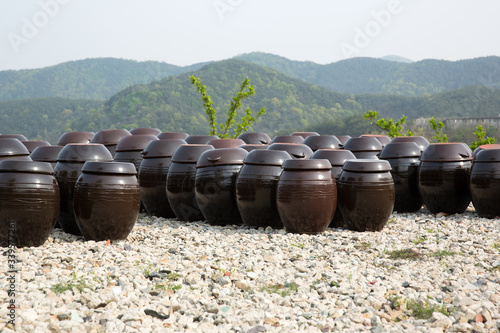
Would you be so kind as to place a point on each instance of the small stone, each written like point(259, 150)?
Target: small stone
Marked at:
point(257, 329)
point(156, 314)
point(272, 321)
point(29, 316)
point(76, 317)
point(241, 285)
point(116, 290)
point(479, 318)
point(252, 275)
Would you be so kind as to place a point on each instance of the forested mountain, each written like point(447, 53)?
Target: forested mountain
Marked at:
point(96, 79)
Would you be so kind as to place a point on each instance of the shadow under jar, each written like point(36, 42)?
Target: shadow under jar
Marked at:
point(106, 200)
point(485, 183)
point(404, 158)
point(181, 178)
point(215, 185)
point(366, 194)
point(256, 188)
point(443, 174)
point(306, 196)
point(29, 196)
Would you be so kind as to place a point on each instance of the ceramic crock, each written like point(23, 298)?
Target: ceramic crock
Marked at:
point(404, 158)
point(29, 197)
point(46, 154)
point(225, 143)
point(145, 131)
point(316, 142)
point(250, 147)
point(181, 182)
point(215, 184)
point(366, 194)
point(303, 134)
point(443, 174)
point(106, 200)
point(485, 183)
point(384, 139)
point(129, 148)
point(13, 149)
point(110, 138)
point(256, 188)
point(364, 147)
point(200, 139)
point(172, 135)
point(343, 138)
point(296, 150)
point(255, 138)
point(74, 137)
point(153, 176)
point(20, 137)
point(67, 170)
point(419, 140)
point(31, 145)
point(306, 195)
point(287, 139)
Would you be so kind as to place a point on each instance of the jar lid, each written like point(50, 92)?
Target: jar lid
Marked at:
point(304, 134)
point(337, 157)
point(100, 167)
point(296, 150)
point(419, 140)
point(249, 147)
point(46, 153)
point(363, 144)
point(446, 152)
point(135, 142)
point(488, 155)
point(384, 139)
point(287, 139)
point(162, 148)
point(483, 147)
point(145, 131)
point(225, 143)
point(172, 135)
point(267, 157)
point(316, 164)
point(200, 139)
point(255, 138)
point(400, 150)
point(109, 137)
point(367, 165)
point(81, 152)
point(222, 156)
point(12, 146)
point(189, 153)
point(32, 144)
point(343, 138)
point(26, 166)
point(316, 142)
point(75, 137)
point(20, 137)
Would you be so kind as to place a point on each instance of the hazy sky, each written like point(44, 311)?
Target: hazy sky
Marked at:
point(41, 33)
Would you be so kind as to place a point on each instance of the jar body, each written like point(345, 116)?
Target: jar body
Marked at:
point(405, 175)
point(215, 191)
point(366, 199)
point(29, 208)
point(306, 200)
point(444, 186)
point(67, 174)
point(152, 181)
point(180, 191)
point(485, 188)
point(256, 187)
point(106, 206)
point(131, 156)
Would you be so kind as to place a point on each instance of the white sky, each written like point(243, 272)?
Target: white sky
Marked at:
point(41, 33)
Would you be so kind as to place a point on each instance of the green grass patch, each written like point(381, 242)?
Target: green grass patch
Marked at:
point(79, 284)
point(404, 254)
point(280, 289)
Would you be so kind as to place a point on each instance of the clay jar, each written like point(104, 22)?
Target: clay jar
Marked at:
point(153, 176)
point(225, 143)
point(129, 149)
point(444, 177)
point(13, 149)
point(419, 140)
point(296, 150)
point(250, 147)
point(30, 202)
point(31, 145)
point(364, 147)
point(75, 137)
point(483, 147)
point(109, 138)
point(337, 158)
point(145, 131)
point(485, 183)
point(172, 135)
point(67, 170)
point(181, 182)
point(404, 158)
point(306, 196)
point(384, 139)
point(46, 154)
point(20, 137)
point(106, 200)
point(304, 135)
point(366, 194)
point(256, 187)
point(287, 139)
point(215, 184)
point(343, 138)
point(200, 139)
point(255, 138)
point(316, 142)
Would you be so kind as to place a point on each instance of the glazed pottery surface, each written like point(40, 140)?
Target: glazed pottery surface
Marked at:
point(304, 135)
point(343, 138)
point(483, 147)
point(296, 150)
point(256, 187)
point(287, 139)
point(366, 194)
point(31, 145)
point(225, 143)
point(75, 137)
point(13, 149)
point(145, 131)
point(419, 140)
point(306, 195)
point(106, 200)
point(129, 149)
point(250, 147)
point(384, 139)
point(485, 183)
point(110, 138)
point(316, 142)
point(172, 135)
point(29, 196)
point(20, 137)
point(46, 154)
point(200, 139)
point(364, 147)
point(255, 138)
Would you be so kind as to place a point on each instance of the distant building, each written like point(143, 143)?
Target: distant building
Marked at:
point(422, 122)
point(473, 122)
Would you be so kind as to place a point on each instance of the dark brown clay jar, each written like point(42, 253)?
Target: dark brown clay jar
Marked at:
point(181, 182)
point(145, 131)
point(364, 147)
point(255, 138)
point(110, 138)
point(366, 194)
point(74, 137)
point(304, 135)
point(337, 158)
point(106, 200)
point(172, 135)
point(250, 147)
point(485, 183)
point(404, 158)
point(129, 149)
point(20, 137)
point(384, 139)
point(443, 174)
point(153, 176)
point(419, 140)
point(31, 145)
point(306, 196)
point(483, 147)
point(256, 187)
point(46, 154)
point(13, 149)
point(287, 139)
point(29, 197)
point(225, 143)
point(200, 139)
point(67, 170)
point(316, 142)
point(343, 138)
point(215, 185)
point(296, 150)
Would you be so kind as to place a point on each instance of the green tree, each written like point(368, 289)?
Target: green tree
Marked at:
point(482, 139)
point(437, 127)
point(392, 127)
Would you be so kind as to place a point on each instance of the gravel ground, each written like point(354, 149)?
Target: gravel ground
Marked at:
point(421, 273)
